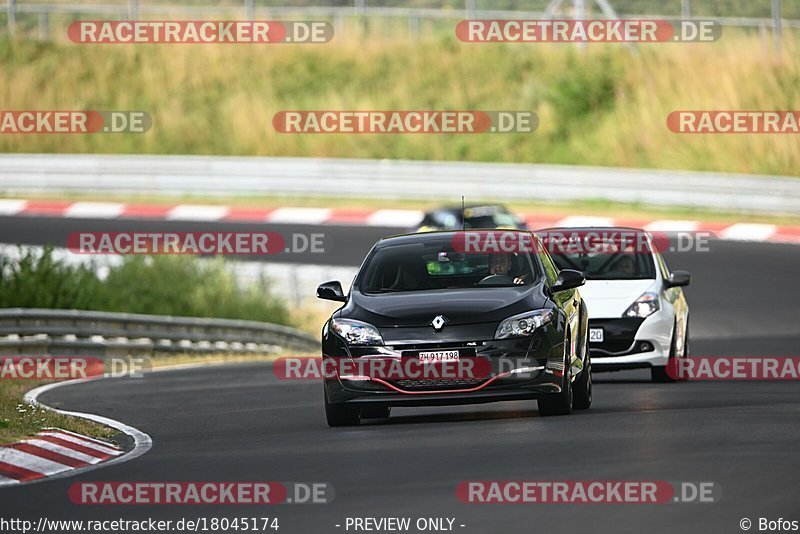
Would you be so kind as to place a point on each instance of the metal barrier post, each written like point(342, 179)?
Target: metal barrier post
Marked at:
point(12, 17)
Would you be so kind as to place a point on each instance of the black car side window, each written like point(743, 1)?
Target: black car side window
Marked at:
point(550, 269)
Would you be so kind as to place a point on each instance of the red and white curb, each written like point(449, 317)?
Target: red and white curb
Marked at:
point(369, 217)
point(51, 452)
point(55, 453)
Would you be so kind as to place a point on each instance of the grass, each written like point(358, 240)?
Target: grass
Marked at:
point(19, 420)
point(603, 107)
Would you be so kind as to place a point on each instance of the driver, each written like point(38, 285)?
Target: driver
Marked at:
point(626, 265)
point(500, 265)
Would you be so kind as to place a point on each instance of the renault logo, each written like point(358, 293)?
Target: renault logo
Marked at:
point(438, 322)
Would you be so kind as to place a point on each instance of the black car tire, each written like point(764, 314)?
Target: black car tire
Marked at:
point(582, 388)
point(376, 412)
point(685, 348)
point(686, 342)
point(341, 414)
point(559, 403)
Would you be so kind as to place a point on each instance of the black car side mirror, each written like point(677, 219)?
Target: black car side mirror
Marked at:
point(568, 279)
point(331, 291)
point(678, 278)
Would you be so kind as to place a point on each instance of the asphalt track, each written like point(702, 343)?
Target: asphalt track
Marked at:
point(239, 422)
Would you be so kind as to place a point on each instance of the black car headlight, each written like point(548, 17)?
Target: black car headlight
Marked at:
point(524, 324)
point(356, 332)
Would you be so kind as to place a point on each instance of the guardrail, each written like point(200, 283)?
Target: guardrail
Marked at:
point(34, 331)
point(134, 10)
point(394, 179)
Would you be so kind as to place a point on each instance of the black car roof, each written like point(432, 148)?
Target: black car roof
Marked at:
point(457, 209)
point(428, 237)
point(590, 229)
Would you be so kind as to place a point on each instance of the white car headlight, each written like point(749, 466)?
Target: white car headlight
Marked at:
point(644, 306)
point(356, 332)
point(523, 324)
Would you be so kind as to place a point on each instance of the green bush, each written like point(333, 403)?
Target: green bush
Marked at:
point(37, 280)
point(584, 91)
point(161, 285)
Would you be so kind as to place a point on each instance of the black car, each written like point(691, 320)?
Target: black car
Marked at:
point(471, 217)
point(518, 321)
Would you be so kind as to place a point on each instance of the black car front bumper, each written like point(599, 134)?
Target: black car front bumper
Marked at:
point(513, 369)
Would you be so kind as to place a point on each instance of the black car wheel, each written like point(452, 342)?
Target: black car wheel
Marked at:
point(559, 403)
point(686, 341)
point(582, 388)
point(341, 414)
point(685, 348)
point(658, 373)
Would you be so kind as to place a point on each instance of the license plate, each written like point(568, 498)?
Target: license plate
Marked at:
point(596, 335)
point(438, 356)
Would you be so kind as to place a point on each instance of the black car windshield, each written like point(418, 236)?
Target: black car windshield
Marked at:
point(497, 220)
point(607, 265)
point(431, 266)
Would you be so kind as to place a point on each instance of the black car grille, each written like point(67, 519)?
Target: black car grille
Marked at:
point(618, 334)
point(433, 346)
point(437, 383)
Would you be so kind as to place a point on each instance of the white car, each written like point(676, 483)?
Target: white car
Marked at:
point(638, 315)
